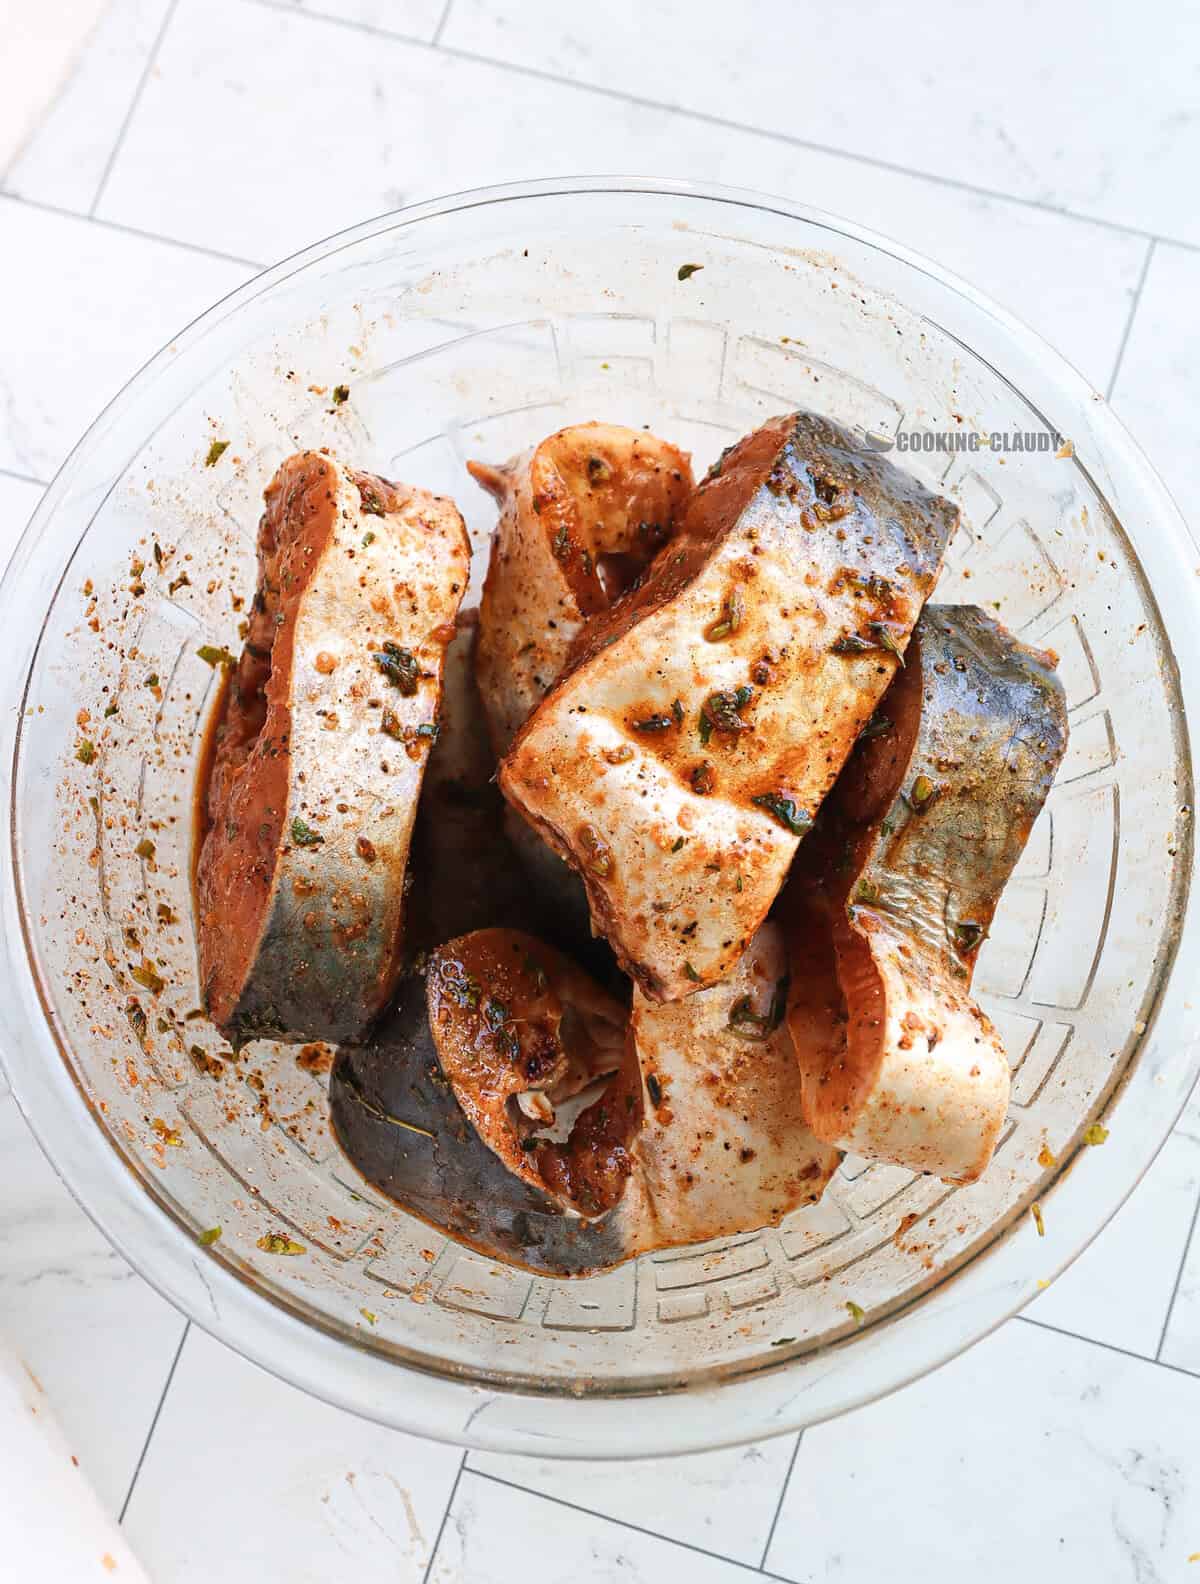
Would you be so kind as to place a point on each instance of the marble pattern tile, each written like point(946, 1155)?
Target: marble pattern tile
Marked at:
point(399, 122)
point(1047, 104)
point(1032, 1456)
point(250, 1480)
point(496, 1535)
point(97, 1337)
point(1155, 391)
point(64, 161)
point(720, 1501)
point(83, 308)
point(1119, 1290)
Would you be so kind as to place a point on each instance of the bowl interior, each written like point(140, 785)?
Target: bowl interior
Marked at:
point(471, 330)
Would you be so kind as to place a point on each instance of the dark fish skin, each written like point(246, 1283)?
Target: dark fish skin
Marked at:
point(701, 720)
point(896, 890)
point(397, 1116)
point(320, 753)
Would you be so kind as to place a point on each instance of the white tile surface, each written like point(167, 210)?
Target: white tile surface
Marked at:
point(398, 122)
point(264, 126)
point(1155, 393)
point(83, 307)
point(250, 1480)
point(96, 1336)
point(65, 159)
point(1084, 109)
point(721, 1501)
point(497, 1535)
point(415, 19)
point(1119, 1290)
point(1032, 1457)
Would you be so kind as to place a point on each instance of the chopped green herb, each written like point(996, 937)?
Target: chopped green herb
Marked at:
point(213, 656)
point(138, 1021)
point(110, 711)
point(215, 452)
point(400, 667)
point(152, 680)
point(784, 809)
point(598, 470)
point(677, 844)
point(368, 538)
point(279, 1243)
point(145, 849)
point(686, 271)
point(654, 1089)
point(877, 726)
point(783, 1341)
point(703, 780)
point(303, 834)
point(922, 792)
point(369, 1316)
point(654, 723)
point(967, 935)
point(562, 542)
point(86, 752)
point(158, 555)
point(211, 1236)
point(341, 393)
point(1096, 1134)
point(462, 988)
point(145, 975)
point(596, 851)
point(691, 973)
point(677, 711)
point(856, 1312)
point(372, 504)
point(723, 710)
point(733, 611)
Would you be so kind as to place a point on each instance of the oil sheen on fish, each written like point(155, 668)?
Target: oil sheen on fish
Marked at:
point(321, 750)
point(895, 893)
point(686, 749)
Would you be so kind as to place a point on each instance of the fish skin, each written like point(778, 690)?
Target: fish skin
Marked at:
point(457, 1172)
point(717, 1147)
point(801, 526)
point(300, 939)
point(894, 895)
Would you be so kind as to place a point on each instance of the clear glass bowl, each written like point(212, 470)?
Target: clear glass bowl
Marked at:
point(471, 327)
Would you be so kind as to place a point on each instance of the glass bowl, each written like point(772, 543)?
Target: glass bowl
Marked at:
point(471, 327)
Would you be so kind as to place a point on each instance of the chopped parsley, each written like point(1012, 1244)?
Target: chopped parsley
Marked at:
point(400, 667)
point(785, 810)
point(215, 452)
point(303, 834)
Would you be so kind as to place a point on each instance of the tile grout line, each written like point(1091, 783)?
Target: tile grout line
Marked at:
point(372, 30)
point(1133, 308)
point(128, 230)
point(1162, 1340)
point(1108, 1347)
point(462, 1463)
point(151, 59)
point(441, 27)
point(621, 1523)
point(153, 1424)
point(783, 1490)
point(23, 478)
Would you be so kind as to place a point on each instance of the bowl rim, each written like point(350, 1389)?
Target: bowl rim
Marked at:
point(767, 1398)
